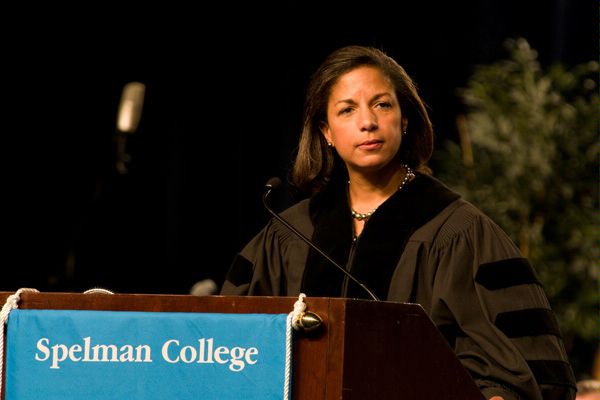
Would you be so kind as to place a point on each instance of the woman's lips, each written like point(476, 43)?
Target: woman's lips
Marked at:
point(370, 145)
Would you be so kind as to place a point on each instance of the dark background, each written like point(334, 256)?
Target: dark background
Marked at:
point(224, 92)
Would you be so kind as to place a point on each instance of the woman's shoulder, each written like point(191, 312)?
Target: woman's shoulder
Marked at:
point(459, 218)
point(296, 215)
point(462, 228)
point(297, 210)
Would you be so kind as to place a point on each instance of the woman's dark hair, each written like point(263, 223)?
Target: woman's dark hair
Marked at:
point(315, 161)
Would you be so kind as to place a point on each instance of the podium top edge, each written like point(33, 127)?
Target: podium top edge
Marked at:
point(191, 303)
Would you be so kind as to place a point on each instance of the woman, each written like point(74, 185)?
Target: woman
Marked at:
point(375, 208)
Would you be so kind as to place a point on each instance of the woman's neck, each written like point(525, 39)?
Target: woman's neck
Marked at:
point(366, 192)
point(366, 195)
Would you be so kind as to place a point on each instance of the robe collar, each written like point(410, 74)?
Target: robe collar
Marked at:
point(373, 257)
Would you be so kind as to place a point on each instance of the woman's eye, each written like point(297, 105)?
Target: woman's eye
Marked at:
point(345, 110)
point(384, 105)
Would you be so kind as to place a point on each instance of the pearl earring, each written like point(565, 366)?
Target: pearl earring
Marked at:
point(329, 144)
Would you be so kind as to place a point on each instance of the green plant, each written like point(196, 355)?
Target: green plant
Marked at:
point(528, 157)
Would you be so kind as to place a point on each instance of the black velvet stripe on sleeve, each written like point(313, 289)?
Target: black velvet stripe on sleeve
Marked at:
point(506, 273)
point(552, 372)
point(529, 322)
point(240, 271)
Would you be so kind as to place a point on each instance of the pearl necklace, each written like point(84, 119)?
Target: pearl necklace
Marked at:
point(362, 216)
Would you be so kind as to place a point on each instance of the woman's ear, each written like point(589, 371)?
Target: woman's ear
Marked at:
point(404, 125)
point(324, 127)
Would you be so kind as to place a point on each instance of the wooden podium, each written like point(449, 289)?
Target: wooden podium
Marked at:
point(363, 350)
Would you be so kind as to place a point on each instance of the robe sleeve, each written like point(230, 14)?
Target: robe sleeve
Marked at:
point(501, 324)
point(255, 270)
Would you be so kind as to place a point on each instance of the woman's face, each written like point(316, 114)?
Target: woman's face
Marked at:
point(364, 120)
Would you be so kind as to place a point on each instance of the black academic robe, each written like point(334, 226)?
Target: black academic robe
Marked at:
point(423, 245)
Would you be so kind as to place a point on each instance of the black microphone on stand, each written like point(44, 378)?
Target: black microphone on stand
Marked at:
point(274, 183)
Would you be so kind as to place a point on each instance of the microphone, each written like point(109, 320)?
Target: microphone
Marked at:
point(274, 183)
point(128, 119)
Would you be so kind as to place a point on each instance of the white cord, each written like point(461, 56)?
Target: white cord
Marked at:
point(293, 319)
point(298, 313)
point(12, 302)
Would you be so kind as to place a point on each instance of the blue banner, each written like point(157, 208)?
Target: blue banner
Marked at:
point(68, 354)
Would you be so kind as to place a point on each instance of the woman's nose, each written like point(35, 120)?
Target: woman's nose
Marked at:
point(368, 121)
